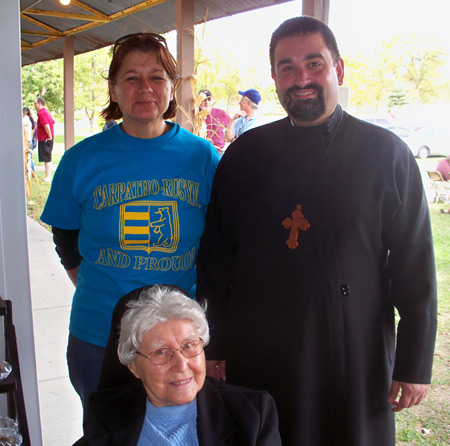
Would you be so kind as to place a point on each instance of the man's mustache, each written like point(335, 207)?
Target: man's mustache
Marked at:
point(311, 86)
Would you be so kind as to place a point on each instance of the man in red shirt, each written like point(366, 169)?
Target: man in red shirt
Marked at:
point(216, 122)
point(45, 135)
point(444, 168)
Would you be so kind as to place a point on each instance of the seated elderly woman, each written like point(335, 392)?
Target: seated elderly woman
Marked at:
point(162, 336)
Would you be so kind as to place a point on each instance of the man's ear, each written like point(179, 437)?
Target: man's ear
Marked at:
point(340, 71)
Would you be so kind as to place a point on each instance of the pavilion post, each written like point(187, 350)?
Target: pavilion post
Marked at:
point(185, 59)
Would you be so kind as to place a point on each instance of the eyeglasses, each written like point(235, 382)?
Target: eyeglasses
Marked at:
point(122, 40)
point(162, 356)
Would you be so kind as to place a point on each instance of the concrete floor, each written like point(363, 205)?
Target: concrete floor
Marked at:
point(51, 292)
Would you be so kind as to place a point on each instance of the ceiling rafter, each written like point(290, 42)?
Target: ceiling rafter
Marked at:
point(41, 24)
point(42, 33)
point(133, 9)
point(66, 15)
point(87, 8)
point(98, 23)
point(94, 19)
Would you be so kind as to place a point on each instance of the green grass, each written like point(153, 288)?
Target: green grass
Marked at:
point(56, 158)
point(39, 194)
point(429, 423)
point(59, 139)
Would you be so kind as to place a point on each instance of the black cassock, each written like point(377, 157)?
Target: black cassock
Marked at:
point(314, 324)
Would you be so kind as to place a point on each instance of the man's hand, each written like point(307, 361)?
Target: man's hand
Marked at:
point(411, 395)
point(239, 114)
point(216, 369)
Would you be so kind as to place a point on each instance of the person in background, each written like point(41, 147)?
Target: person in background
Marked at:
point(216, 122)
point(443, 168)
point(109, 124)
point(245, 119)
point(127, 206)
point(30, 130)
point(34, 141)
point(45, 136)
point(318, 228)
point(169, 400)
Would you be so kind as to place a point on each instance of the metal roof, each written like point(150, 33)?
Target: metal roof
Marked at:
point(98, 23)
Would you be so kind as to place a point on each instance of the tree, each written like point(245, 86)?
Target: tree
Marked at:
point(44, 79)
point(418, 62)
point(90, 83)
point(215, 68)
point(398, 98)
point(368, 82)
point(407, 66)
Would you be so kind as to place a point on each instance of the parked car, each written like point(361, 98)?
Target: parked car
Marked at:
point(382, 122)
point(424, 142)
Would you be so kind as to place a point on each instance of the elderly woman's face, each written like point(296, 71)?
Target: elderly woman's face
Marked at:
point(142, 88)
point(178, 381)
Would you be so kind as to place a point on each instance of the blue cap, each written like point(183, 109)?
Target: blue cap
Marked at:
point(252, 94)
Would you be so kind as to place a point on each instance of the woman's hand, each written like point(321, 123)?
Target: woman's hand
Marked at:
point(73, 275)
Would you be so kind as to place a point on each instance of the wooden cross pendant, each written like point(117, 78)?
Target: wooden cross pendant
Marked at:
point(298, 221)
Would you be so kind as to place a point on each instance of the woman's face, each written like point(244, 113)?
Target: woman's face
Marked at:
point(142, 89)
point(178, 381)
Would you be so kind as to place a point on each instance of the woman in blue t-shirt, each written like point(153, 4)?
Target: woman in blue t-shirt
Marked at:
point(127, 206)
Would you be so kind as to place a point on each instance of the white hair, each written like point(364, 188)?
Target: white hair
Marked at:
point(157, 304)
point(254, 105)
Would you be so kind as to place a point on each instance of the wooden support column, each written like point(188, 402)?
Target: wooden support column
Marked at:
point(69, 104)
point(185, 59)
point(319, 9)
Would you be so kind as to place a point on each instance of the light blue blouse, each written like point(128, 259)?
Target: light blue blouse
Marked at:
point(169, 425)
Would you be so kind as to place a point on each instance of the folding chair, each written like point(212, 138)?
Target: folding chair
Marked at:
point(441, 188)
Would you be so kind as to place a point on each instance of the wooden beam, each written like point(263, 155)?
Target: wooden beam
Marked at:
point(87, 8)
point(40, 43)
point(319, 9)
point(66, 15)
point(69, 102)
point(42, 33)
point(185, 58)
point(133, 9)
point(40, 24)
point(97, 19)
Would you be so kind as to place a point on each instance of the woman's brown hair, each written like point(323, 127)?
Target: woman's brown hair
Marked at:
point(146, 43)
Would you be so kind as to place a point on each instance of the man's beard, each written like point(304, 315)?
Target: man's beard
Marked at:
point(305, 109)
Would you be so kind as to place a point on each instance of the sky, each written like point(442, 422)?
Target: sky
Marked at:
point(365, 23)
point(357, 24)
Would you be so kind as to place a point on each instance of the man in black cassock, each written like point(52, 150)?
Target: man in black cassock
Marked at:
point(318, 227)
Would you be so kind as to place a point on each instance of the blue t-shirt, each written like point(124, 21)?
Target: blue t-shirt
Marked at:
point(140, 206)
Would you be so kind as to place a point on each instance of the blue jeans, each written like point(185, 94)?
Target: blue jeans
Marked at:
point(85, 364)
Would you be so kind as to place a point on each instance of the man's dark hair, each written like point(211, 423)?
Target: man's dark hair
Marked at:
point(41, 100)
point(304, 25)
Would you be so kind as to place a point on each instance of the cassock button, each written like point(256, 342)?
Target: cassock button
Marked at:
point(345, 290)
